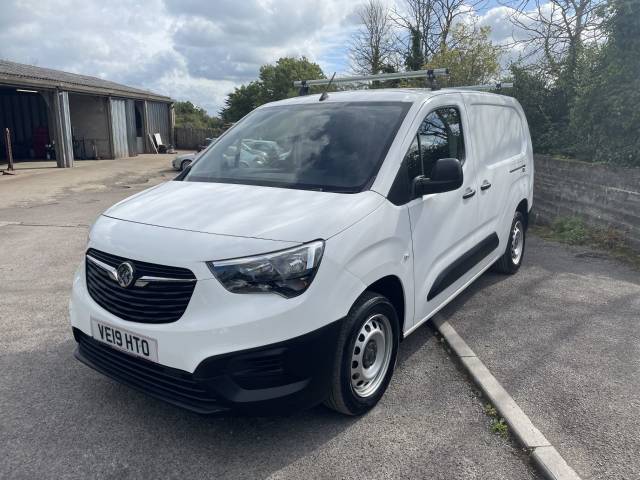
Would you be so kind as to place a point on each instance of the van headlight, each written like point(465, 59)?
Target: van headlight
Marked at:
point(287, 272)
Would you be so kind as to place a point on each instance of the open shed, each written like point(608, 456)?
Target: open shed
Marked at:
point(65, 116)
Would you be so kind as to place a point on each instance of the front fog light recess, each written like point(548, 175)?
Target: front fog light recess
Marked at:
point(287, 272)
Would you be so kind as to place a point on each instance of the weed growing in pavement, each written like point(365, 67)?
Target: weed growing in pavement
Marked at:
point(498, 426)
point(490, 410)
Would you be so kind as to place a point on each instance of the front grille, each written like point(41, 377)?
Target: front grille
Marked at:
point(169, 384)
point(156, 302)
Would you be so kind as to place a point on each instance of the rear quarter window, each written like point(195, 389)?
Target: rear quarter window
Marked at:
point(498, 132)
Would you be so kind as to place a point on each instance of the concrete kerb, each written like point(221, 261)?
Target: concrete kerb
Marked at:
point(545, 456)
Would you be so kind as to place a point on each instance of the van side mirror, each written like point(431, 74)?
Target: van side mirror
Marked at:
point(445, 177)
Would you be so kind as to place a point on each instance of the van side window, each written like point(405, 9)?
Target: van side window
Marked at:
point(413, 159)
point(440, 136)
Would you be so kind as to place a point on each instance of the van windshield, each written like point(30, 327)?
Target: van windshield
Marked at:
point(334, 147)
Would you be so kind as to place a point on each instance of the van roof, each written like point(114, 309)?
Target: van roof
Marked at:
point(410, 95)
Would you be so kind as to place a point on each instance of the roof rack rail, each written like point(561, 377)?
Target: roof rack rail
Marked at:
point(430, 75)
point(485, 87)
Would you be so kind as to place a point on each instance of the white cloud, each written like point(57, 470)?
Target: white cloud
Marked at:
point(194, 50)
point(518, 42)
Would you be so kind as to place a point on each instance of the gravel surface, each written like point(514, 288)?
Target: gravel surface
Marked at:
point(60, 419)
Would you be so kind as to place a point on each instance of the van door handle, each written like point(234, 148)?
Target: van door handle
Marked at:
point(468, 193)
point(485, 185)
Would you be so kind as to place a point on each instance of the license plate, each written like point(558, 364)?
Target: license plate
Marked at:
point(130, 342)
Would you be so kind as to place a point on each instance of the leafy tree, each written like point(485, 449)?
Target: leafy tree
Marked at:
point(275, 83)
point(556, 31)
point(241, 101)
point(190, 115)
point(544, 104)
point(605, 116)
point(277, 80)
point(559, 39)
point(415, 57)
point(473, 60)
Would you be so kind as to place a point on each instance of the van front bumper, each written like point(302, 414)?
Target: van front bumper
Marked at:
point(278, 378)
point(221, 338)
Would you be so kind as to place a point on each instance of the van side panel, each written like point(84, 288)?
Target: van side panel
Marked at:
point(377, 246)
point(502, 149)
point(521, 186)
point(498, 132)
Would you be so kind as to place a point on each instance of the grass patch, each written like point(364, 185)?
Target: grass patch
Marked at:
point(571, 230)
point(574, 231)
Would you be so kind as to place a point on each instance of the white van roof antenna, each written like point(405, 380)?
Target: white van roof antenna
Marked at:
point(431, 75)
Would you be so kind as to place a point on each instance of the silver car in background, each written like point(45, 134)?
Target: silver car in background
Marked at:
point(251, 153)
point(183, 161)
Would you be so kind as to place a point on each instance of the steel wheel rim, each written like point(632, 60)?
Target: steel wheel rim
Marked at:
point(371, 355)
point(517, 242)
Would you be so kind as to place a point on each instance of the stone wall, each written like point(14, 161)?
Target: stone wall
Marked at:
point(602, 195)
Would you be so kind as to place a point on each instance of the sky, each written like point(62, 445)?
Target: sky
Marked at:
point(196, 50)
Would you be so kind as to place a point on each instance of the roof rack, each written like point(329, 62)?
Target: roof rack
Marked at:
point(430, 75)
point(485, 87)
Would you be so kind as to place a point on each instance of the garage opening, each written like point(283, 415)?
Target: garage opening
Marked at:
point(25, 113)
point(90, 127)
point(139, 109)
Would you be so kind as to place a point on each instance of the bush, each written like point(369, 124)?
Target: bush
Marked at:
point(606, 113)
point(191, 116)
point(591, 112)
point(546, 107)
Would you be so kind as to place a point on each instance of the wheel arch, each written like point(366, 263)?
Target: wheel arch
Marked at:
point(518, 200)
point(523, 207)
point(391, 287)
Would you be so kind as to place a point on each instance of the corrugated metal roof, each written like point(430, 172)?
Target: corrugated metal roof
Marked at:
point(18, 73)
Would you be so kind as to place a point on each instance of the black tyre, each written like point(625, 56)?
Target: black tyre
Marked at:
point(366, 355)
point(185, 164)
point(512, 258)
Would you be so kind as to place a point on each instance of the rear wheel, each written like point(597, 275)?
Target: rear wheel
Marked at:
point(512, 258)
point(366, 355)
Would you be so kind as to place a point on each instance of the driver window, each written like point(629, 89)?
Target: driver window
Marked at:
point(439, 136)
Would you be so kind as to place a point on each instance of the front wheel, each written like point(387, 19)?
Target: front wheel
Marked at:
point(512, 258)
point(185, 164)
point(366, 355)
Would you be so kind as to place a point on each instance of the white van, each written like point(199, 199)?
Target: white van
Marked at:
point(292, 280)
